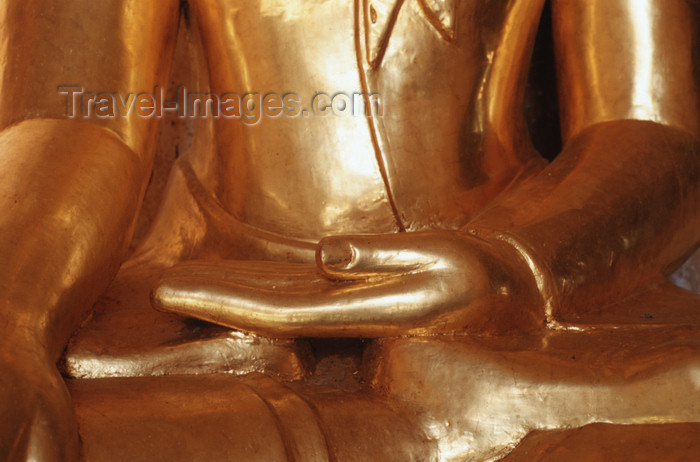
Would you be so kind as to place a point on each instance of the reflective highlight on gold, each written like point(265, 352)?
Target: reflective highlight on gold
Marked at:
point(418, 284)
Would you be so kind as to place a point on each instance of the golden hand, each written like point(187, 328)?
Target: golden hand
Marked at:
point(365, 286)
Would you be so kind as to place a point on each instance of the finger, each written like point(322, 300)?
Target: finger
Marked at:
point(315, 308)
point(261, 274)
point(362, 257)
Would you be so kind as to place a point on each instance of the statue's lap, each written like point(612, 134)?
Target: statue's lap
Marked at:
point(631, 364)
point(158, 386)
point(140, 378)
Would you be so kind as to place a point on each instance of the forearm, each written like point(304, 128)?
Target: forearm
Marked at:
point(69, 193)
point(620, 204)
point(619, 207)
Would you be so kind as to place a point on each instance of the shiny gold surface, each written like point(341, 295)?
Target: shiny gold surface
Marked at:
point(493, 392)
point(546, 281)
point(656, 442)
point(256, 419)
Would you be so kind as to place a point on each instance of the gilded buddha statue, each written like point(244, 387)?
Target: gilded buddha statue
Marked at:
point(353, 169)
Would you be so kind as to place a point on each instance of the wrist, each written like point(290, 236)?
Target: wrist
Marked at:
point(530, 277)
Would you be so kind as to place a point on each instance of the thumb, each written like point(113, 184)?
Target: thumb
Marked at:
point(366, 256)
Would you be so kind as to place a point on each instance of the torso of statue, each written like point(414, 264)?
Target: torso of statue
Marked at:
point(446, 141)
point(451, 77)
